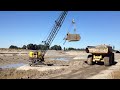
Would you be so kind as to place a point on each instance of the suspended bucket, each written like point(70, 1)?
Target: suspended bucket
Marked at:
point(73, 37)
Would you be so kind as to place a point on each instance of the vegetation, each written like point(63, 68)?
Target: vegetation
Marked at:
point(71, 48)
point(56, 47)
point(36, 47)
point(42, 47)
point(24, 47)
point(13, 47)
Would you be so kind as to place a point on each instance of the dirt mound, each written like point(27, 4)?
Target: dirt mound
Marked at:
point(22, 74)
point(40, 68)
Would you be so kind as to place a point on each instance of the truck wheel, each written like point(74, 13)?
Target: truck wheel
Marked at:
point(89, 60)
point(107, 61)
point(113, 58)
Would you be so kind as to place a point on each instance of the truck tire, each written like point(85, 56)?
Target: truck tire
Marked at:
point(89, 60)
point(107, 61)
point(113, 58)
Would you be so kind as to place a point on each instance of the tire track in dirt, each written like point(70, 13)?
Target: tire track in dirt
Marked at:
point(82, 73)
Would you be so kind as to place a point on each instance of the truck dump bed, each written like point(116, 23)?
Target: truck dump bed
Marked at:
point(99, 49)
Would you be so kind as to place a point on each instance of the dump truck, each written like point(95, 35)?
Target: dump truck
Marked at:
point(100, 53)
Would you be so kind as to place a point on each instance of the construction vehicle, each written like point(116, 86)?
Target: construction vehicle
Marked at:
point(100, 53)
point(37, 57)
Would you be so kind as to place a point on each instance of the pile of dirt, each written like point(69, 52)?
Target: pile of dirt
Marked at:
point(22, 74)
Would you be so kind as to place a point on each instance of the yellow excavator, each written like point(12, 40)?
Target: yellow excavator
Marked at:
point(37, 57)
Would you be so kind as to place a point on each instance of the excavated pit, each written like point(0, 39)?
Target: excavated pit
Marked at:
point(66, 65)
point(12, 65)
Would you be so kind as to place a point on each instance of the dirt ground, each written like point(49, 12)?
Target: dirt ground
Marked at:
point(71, 65)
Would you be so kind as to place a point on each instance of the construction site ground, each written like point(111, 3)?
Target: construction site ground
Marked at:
point(66, 65)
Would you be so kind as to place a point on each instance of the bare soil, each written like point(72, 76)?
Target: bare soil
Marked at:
point(71, 66)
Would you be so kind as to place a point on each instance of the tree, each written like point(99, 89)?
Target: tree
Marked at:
point(35, 47)
point(56, 47)
point(13, 47)
point(24, 47)
point(30, 46)
point(70, 48)
point(59, 47)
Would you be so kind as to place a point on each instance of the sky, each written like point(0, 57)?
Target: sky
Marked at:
point(24, 27)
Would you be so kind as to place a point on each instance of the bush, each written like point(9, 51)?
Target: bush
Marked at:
point(13, 47)
point(56, 47)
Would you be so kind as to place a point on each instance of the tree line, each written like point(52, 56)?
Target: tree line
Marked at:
point(36, 47)
point(42, 47)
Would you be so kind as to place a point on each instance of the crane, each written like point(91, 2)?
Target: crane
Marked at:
point(37, 58)
point(54, 31)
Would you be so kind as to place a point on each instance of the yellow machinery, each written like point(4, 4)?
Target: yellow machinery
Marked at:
point(100, 53)
point(37, 57)
point(36, 54)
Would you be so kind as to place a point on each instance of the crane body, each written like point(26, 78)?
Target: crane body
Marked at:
point(36, 57)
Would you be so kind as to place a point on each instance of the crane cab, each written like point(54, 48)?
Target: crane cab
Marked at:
point(35, 56)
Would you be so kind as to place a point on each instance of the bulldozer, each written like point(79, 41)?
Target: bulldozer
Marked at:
point(100, 53)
